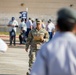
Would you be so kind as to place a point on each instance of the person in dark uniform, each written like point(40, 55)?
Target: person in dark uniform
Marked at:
point(36, 38)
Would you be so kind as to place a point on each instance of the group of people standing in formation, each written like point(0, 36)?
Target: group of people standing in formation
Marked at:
point(54, 46)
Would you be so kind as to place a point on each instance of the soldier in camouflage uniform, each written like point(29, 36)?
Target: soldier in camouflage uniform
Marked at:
point(35, 39)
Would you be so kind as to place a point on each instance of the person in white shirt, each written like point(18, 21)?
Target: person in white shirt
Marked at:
point(43, 24)
point(29, 26)
point(12, 30)
point(50, 28)
point(34, 23)
point(58, 56)
point(3, 46)
point(23, 29)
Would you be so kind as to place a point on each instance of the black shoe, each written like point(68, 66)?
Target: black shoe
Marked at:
point(27, 73)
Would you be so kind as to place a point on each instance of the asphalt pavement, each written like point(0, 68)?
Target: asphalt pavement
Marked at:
point(15, 60)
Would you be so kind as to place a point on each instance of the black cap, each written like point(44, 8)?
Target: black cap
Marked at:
point(13, 18)
point(67, 14)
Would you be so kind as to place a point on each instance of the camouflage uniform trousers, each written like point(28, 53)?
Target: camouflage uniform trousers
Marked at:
point(32, 57)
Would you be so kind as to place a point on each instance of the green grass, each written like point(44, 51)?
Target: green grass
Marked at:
point(6, 33)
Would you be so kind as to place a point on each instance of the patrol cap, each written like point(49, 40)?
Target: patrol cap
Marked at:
point(38, 21)
point(68, 14)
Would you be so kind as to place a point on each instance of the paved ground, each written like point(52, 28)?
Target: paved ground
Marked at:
point(14, 61)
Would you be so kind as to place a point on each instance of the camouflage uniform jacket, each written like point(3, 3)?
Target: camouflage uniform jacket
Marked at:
point(34, 38)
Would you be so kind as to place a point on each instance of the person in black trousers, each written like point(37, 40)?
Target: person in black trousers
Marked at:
point(12, 30)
